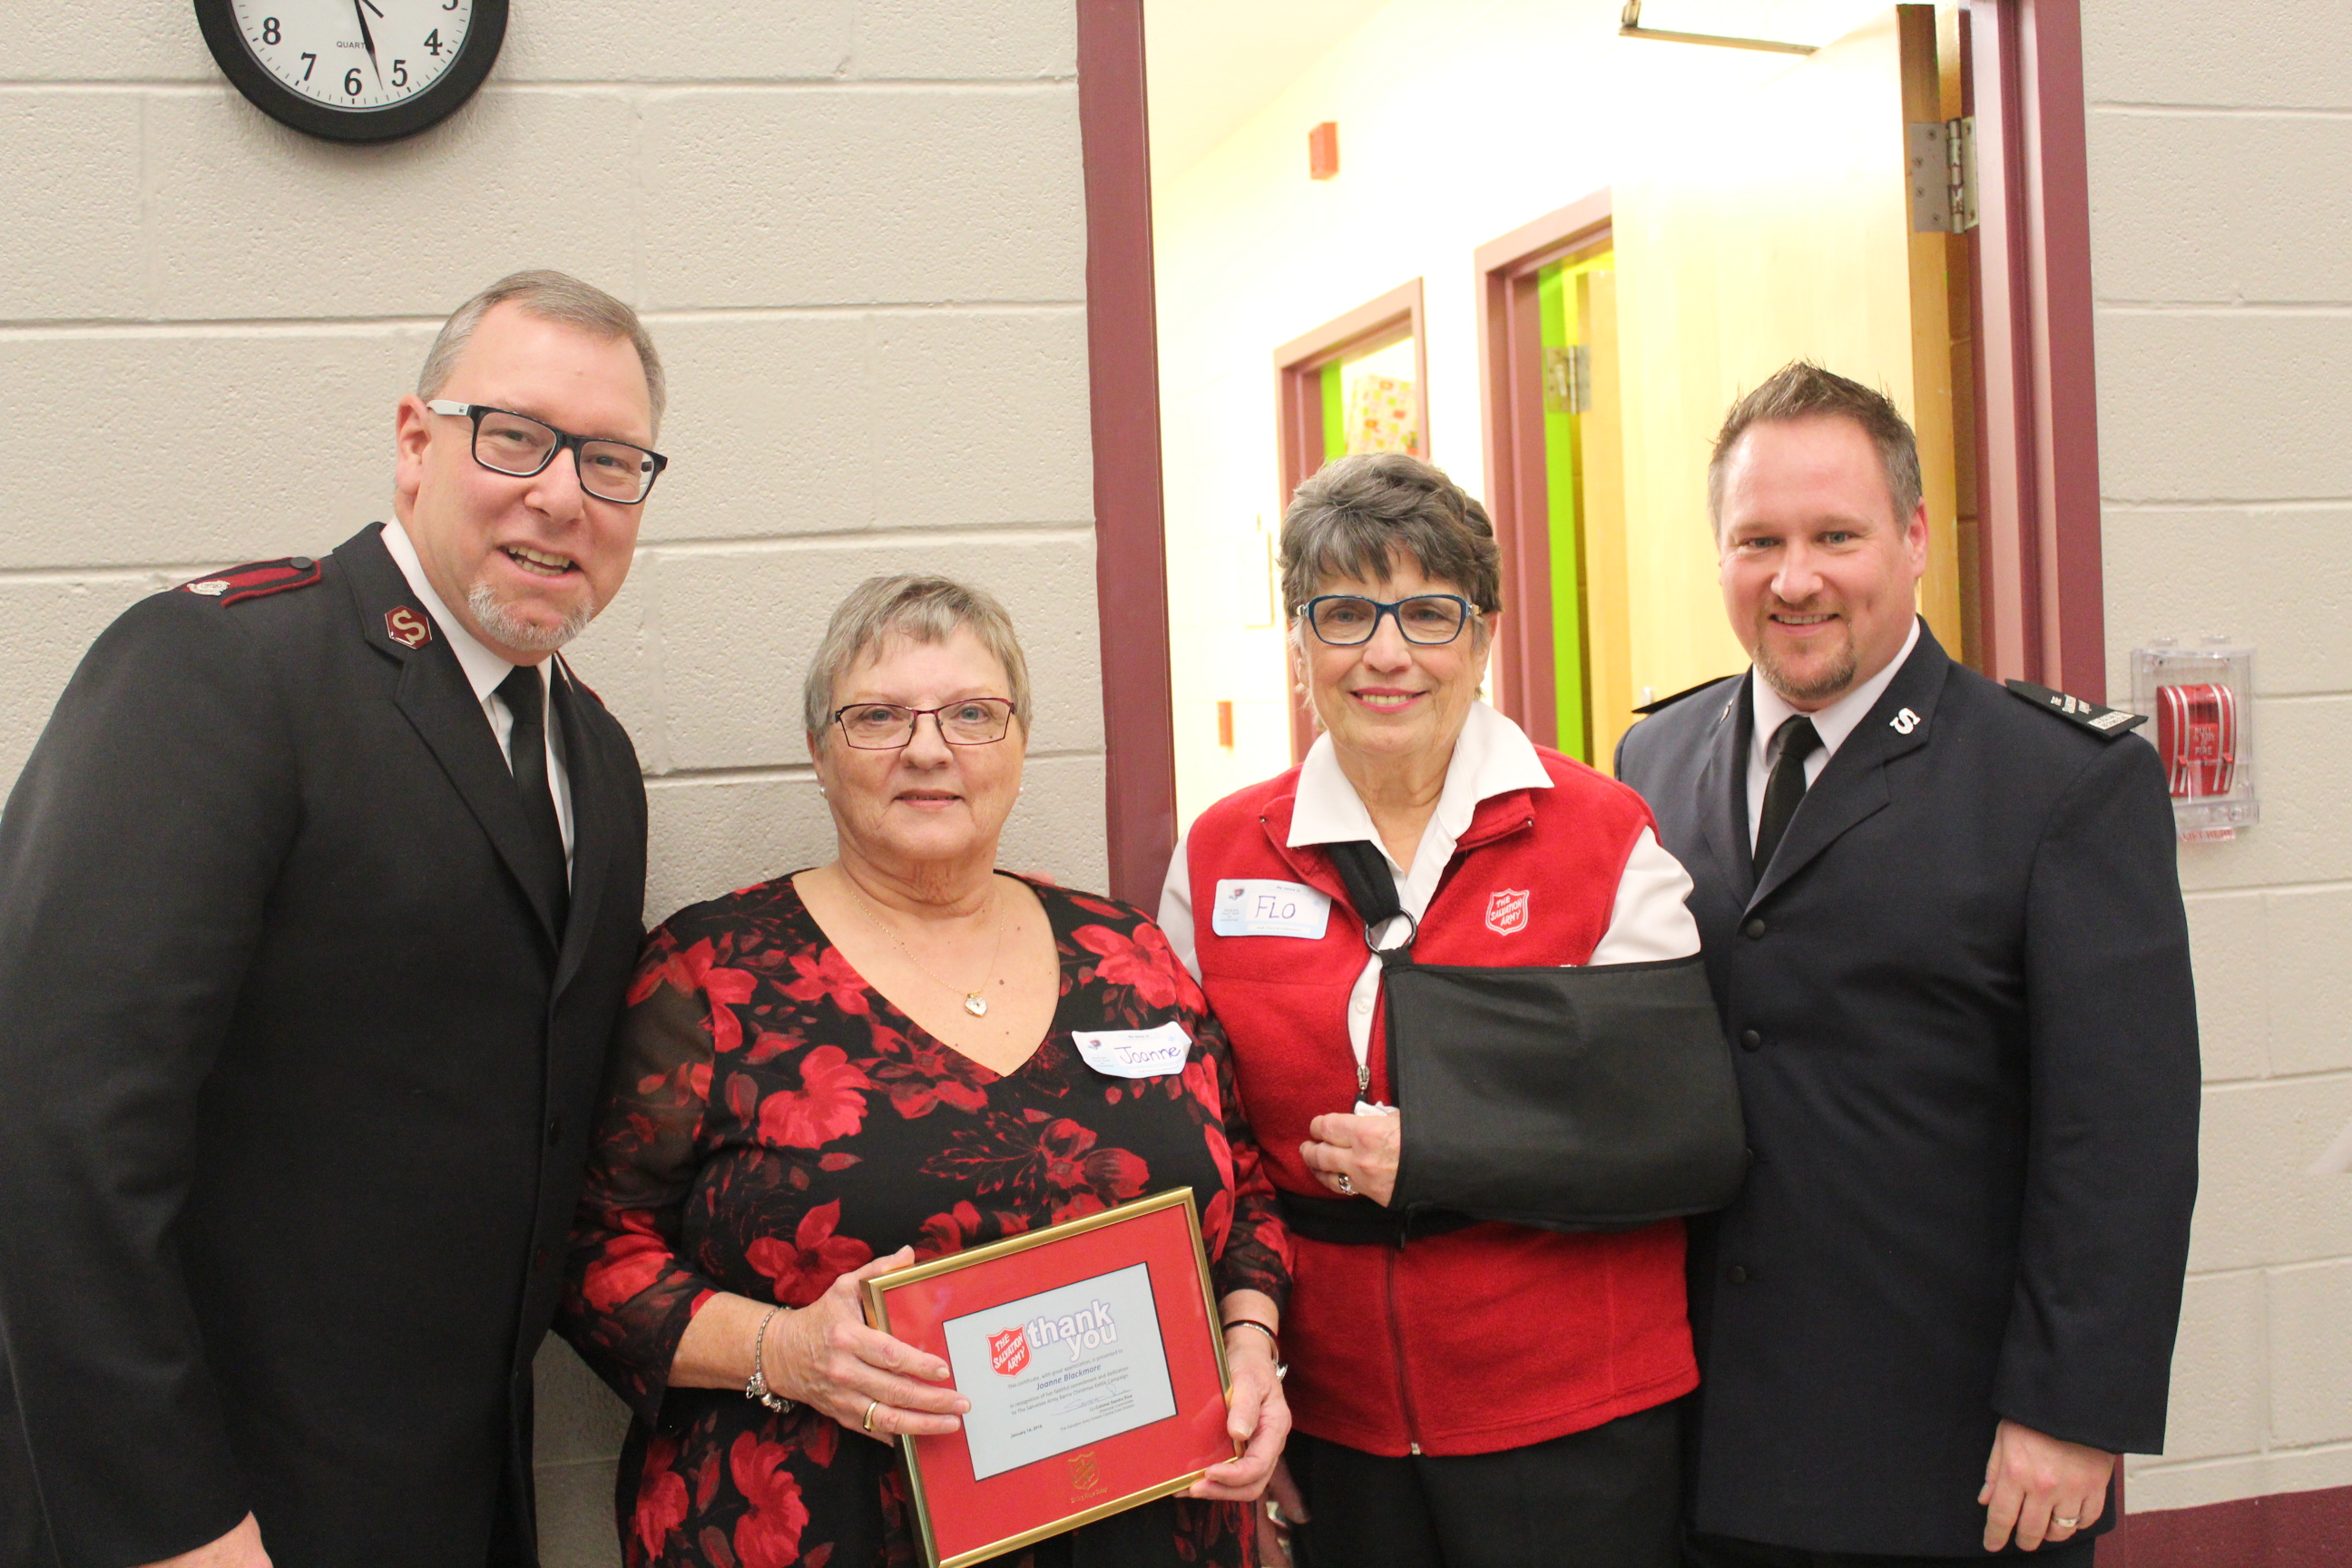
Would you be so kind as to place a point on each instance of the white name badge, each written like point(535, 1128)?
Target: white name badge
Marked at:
point(1136, 1053)
point(1252, 907)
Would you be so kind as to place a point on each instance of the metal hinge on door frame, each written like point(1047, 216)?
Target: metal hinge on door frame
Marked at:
point(1568, 379)
point(1943, 173)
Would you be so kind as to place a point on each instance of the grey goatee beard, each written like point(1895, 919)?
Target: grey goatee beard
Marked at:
point(511, 630)
point(1828, 683)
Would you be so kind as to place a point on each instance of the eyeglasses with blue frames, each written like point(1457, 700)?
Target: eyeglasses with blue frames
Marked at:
point(1347, 620)
point(515, 444)
point(887, 726)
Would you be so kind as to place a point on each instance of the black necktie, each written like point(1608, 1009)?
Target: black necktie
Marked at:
point(525, 694)
point(1792, 742)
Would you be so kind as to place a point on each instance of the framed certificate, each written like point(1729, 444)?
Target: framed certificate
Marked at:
point(1092, 1357)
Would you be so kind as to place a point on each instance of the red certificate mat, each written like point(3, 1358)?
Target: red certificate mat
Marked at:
point(1091, 1354)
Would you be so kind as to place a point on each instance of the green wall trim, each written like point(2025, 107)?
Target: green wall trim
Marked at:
point(1335, 414)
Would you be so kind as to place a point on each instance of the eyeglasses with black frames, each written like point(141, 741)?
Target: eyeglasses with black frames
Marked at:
point(515, 444)
point(887, 726)
point(1348, 620)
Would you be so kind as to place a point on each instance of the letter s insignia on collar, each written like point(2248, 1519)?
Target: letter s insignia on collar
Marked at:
point(1507, 912)
point(406, 627)
point(1904, 722)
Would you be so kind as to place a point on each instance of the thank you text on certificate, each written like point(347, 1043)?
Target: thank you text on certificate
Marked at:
point(1059, 1369)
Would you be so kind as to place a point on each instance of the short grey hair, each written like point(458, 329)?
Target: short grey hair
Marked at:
point(1357, 513)
point(1802, 390)
point(923, 610)
point(550, 296)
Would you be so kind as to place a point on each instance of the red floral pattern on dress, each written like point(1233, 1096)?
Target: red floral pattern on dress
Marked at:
point(771, 1122)
point(829, 1104)
point(812, 1260)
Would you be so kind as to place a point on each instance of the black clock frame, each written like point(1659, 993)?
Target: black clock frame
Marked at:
point(485, 34)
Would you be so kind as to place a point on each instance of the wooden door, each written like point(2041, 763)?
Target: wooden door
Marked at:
point(1764, 226)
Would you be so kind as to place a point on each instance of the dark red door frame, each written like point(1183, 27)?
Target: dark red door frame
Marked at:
point(2037, 422)
point(1123, 376)
point(2037, 413)
point(1298, 407)
point(1298, 370)
point(1518, 497)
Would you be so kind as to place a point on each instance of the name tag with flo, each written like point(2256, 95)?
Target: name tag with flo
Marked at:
point(1255, 907)
point(1136, 1053)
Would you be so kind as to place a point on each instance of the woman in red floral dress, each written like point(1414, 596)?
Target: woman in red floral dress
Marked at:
point(825, 1077)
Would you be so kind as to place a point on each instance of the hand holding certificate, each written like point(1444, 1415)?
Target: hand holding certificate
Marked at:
point(1096, 1372)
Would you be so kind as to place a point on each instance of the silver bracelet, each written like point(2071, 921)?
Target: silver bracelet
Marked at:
point(1281, 1368)
point(756, 1385)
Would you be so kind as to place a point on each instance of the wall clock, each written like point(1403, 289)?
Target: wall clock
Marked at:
point(355, 70)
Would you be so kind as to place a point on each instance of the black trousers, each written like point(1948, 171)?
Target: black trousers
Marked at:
point(1722, 1552)
point(1607, 1497)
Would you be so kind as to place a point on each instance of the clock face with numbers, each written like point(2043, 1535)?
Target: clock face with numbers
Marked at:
point(355, 70)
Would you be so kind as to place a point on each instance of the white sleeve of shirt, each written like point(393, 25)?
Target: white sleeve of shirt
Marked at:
point(1651, 920)
point(1176, 909)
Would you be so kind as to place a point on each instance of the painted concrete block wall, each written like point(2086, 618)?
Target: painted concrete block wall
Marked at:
point(856, 228)
point(2222, 252)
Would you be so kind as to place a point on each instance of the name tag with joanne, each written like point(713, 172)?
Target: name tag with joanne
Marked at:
point(1258, 906)
point(1135, 1053)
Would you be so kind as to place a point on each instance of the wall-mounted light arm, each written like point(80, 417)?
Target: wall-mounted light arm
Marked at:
point(1631, 28)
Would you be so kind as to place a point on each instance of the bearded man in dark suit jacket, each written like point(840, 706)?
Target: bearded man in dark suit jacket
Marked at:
point(1944, 926)
point(317, 898)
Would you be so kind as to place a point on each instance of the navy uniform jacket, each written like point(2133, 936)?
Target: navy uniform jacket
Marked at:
point(1967, 1048)
point(298, 1077)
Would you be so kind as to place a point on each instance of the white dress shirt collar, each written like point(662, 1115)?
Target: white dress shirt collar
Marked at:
point(1834, 722)
point(484, 670)
point(1492, 756)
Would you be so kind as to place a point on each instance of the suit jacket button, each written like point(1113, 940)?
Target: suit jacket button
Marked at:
point(1737, 1275)
point(1753, 928)
point(1749, 1040)
point(554, 1131)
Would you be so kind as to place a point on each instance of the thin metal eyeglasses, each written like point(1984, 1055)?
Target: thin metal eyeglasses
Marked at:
point(520, 446)
point(887, 726)
point(1348, 620)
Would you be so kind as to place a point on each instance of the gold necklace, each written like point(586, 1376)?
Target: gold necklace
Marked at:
point(974, 1002)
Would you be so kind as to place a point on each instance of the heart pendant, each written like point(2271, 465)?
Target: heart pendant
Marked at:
point(975, 1007)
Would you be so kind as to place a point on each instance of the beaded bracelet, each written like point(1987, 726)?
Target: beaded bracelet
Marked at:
point(756, 1385)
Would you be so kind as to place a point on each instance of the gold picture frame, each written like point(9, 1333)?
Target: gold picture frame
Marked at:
point(877, 1294)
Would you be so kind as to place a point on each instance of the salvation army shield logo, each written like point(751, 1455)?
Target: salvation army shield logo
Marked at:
point(1507, 912)
point(1008, 1352)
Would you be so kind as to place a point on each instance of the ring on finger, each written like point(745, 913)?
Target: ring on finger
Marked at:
point(871, 1407)
point(2066, 1523)
point(1345, 1184)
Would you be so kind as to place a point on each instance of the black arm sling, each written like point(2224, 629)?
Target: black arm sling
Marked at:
point(1565, 1099)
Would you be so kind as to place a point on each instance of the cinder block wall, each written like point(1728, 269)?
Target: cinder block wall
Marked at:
point(856, 228)
point(2221, 250)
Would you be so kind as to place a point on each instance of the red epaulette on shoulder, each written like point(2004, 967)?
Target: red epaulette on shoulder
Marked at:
point(257, 579)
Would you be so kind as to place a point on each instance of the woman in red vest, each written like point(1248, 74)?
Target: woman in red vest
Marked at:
point(1492, 1394)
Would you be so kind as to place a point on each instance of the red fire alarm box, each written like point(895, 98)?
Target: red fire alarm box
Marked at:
point(2201, 696)
point(1323, 150)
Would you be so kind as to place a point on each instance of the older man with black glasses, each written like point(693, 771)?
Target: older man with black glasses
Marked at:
point(317, 899)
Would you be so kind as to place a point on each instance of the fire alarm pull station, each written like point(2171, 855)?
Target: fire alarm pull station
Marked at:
point(2201, 696)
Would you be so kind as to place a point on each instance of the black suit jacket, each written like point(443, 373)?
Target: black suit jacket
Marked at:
point(298, 1077)
point(1966, 1047)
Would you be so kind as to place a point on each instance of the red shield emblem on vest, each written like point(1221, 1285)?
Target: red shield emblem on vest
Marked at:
point(406, 627)
point(1507, 912)
point(1008, 1352)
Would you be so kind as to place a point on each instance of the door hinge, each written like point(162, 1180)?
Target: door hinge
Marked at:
point(1568, 379)
point(1943, 173)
